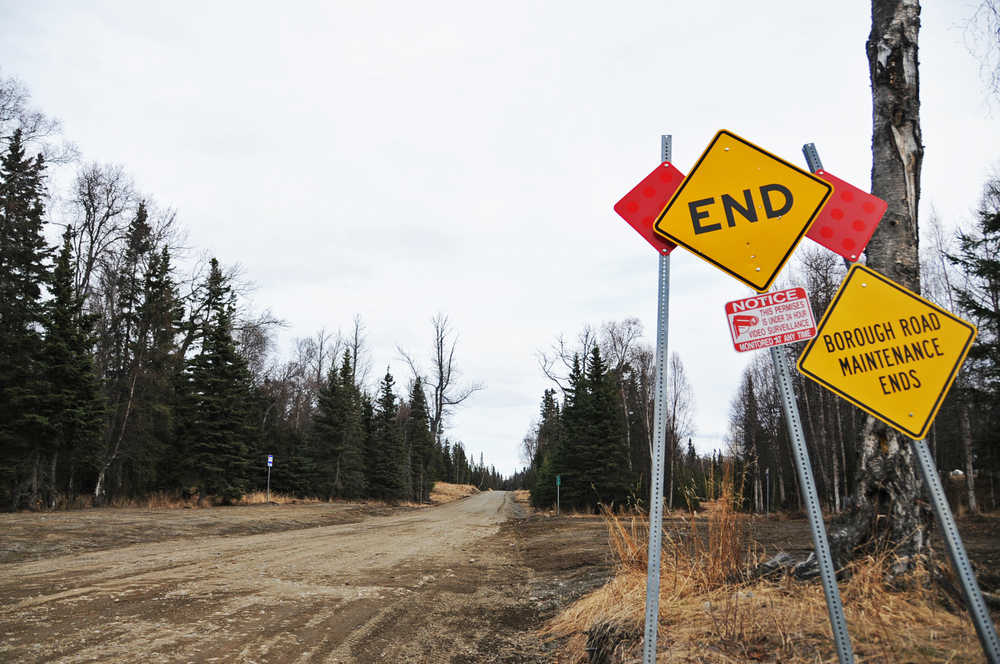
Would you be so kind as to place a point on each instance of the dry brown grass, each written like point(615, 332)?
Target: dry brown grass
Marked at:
point(260, 498)
point(712, 610)
point(174, 500)
point(443, 492)
point(523, 496)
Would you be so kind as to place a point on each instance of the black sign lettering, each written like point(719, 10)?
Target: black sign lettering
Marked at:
point(765, 194)
point(697, 215)
point(749, 212)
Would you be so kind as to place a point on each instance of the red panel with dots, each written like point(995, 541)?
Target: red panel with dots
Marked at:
point(848, 220)
point(640, 206)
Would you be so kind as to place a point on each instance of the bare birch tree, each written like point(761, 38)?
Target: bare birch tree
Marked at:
point(885, 506)
point(443, 378)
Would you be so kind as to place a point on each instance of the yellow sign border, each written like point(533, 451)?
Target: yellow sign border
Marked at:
point(865, 271)
point(762, 287)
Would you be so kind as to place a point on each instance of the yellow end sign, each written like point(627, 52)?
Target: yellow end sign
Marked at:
point(887, 350)
point(743, 209)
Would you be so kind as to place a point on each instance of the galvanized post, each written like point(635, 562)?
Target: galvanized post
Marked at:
point(812, 157)
point(659, 439)
point(829, 576)
point(269, 485)
point(956, 551)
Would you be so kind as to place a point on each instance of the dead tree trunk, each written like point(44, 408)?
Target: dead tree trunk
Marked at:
point(885, 508)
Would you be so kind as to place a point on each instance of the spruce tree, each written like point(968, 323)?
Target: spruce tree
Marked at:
point(338, 437)
point(606, 452)
point(420, 442)
point(447, 469)
point(217, 427)
point(74, 406)
point(978, 257)
point(326, 437)
point(548, 450)
point(352, 464)
point(161, 319)
point(572, 458)
point(387, 480)
point(23, 273)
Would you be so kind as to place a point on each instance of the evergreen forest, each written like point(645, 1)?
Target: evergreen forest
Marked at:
point(122, 376)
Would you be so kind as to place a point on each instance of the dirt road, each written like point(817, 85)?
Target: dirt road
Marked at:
point(431, 585)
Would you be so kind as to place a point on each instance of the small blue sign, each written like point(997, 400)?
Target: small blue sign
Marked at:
point(270, 460)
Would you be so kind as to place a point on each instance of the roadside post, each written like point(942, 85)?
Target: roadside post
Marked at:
point(639, 208)
point(831, 591)
point(558, 483)
point(270, 462)
point(659, 436)
point(956, 551)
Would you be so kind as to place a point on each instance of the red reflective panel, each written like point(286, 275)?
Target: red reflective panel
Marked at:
point(641, 206)
point(848, 220)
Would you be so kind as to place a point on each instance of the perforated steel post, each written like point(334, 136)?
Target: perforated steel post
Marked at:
point(826, 571)
point(812, 157)
point(956, 551)
point(659, 440)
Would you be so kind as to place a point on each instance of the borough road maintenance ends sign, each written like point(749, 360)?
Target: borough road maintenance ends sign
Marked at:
point(887, 350)
point(743, 209)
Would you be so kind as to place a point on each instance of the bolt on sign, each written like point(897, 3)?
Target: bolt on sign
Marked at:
point(770, 319)
point(743, 209)
point(640, 206)
point(887, 350)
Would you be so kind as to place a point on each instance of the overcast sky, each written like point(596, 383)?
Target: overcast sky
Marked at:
point(396, 160)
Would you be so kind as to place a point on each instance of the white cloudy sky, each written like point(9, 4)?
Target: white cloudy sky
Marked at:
point(398, 159)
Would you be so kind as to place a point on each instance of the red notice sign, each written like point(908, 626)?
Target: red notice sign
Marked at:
point(647, 199)
point(771, 319)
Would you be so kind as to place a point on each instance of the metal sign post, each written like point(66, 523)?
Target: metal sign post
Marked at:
point(956, 551)
point(837, 621)
point(659, 436)
point(270, 462)
point(558, 483)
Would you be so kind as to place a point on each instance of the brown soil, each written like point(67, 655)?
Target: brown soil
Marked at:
point(465, 582)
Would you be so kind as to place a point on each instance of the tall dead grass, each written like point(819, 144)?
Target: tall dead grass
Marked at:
point(172, 500)
point(713, 609)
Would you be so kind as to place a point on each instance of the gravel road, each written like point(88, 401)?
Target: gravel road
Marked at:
point(427, 585)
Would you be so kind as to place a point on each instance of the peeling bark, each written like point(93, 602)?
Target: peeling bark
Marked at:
point(886, 507)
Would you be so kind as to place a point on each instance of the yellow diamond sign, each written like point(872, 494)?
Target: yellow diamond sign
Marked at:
point(887, 350)
point(743, 209)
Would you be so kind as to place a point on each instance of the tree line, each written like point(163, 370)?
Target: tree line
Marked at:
point(119, 377)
